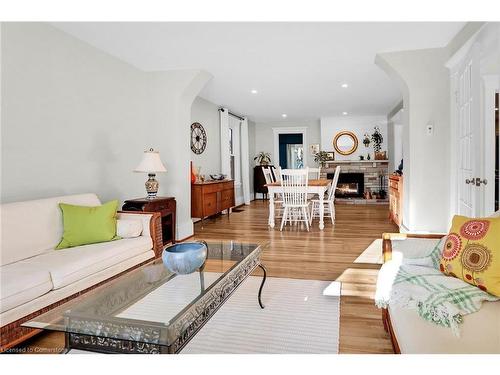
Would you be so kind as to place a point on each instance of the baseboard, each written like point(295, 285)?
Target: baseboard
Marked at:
point(403, 229)
point(260, 196)
point(185, 239)
point(184, 230)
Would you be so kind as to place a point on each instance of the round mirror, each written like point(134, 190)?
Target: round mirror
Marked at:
point(345, 143)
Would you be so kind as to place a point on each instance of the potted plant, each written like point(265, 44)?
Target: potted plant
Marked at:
point(263, 158)
point(321, 158)
point(377, 140)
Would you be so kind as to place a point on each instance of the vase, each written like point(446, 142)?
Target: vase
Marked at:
point(193, 176)
point(185, 258)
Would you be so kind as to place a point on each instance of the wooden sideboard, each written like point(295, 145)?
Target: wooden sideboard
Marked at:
point(211, 197)
point(396, 199)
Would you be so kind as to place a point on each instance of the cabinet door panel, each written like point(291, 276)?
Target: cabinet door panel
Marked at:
point(212, 188)
point(209, 204)
point(227, 199)
point(228, 185)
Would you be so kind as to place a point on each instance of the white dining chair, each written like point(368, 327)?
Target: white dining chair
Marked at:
point(277, 173)
point(268, 176)
point(278, 199)
point(294, 184)
point(314, 173)
point(328, 203)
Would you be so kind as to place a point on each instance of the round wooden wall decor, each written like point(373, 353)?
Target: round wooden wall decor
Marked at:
point(198, 138)
point(345, 142)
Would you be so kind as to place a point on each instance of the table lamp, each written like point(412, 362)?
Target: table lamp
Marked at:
point(151, 164)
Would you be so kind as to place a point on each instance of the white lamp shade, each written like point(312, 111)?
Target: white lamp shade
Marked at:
point(150, 163)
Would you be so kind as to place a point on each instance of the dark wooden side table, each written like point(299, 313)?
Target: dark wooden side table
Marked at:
point(164, 205)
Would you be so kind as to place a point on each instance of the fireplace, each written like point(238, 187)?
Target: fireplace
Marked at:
point(350, 185)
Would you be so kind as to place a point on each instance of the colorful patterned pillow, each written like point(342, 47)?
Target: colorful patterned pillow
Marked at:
point(472, 252)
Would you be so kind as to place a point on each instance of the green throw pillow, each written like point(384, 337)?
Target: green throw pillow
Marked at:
point(85, 225)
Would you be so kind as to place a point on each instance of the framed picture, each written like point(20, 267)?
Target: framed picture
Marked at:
point(331, 155)
point(314, 148)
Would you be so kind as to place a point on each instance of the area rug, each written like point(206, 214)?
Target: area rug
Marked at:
point(297, 318)
point(372, 254)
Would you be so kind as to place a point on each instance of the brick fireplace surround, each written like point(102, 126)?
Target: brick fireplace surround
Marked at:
point(371, 169)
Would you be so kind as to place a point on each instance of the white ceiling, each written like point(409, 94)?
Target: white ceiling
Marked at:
point(297, 68)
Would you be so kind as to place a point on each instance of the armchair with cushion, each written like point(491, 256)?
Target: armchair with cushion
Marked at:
point(479, 332)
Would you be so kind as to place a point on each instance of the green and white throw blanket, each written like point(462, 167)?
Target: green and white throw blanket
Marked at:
point(437, 298)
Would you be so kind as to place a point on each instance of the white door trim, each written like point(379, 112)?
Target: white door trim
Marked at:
point(289, 130)
point(491, 85)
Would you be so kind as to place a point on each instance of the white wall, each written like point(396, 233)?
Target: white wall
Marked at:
point(264, 138)
point(424, 82)
point(359, 125)
point(426, 158)
point(207, 114)
point(75, 119)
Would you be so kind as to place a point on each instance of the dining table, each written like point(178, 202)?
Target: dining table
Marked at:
point(318, 186)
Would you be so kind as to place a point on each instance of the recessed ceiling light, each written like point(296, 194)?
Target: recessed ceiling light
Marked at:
point(254, 91)
point(345, 85)
point(345, 113)
point(283, 115)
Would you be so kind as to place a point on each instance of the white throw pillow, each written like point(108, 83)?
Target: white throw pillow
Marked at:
point(128, 228)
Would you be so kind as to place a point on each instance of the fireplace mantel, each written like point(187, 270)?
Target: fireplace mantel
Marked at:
point(357, 162)
point(371, 169)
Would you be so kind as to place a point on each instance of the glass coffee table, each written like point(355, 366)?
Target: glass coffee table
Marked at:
point(150, 309)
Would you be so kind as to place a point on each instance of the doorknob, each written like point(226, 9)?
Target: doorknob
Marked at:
point(478, 181)
point(467, 181)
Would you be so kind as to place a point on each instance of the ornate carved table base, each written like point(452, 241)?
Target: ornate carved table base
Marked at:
point(180, 333)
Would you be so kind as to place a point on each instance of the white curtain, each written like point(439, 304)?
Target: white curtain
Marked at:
point(225, 161)
point(245, 169)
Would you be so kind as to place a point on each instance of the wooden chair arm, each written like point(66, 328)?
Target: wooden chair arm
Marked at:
point(155, 230)
point(387, 239)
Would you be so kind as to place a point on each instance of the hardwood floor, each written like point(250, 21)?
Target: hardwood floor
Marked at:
point(321, 255)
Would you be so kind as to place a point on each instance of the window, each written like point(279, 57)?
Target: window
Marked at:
point(234, 149)
point(295, 156)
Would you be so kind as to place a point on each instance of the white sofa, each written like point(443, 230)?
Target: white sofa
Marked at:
point(34, 276)
point(410, 334)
